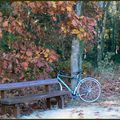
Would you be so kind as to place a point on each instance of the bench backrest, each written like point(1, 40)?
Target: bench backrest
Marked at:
point(9, 86)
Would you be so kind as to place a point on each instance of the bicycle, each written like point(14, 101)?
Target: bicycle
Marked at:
point(88, 89)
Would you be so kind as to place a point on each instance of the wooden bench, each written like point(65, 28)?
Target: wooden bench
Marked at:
point(16, 100)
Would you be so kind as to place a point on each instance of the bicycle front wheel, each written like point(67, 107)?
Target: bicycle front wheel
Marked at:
point(89, 89)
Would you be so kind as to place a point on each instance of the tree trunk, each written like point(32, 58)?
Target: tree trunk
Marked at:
point(81, 48)
point(74, 59)
point(76, 52)
point(101, 33)
point(114, 6)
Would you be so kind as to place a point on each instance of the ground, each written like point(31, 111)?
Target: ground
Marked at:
point(109, 108)
point(88, 111)
point(79, 109)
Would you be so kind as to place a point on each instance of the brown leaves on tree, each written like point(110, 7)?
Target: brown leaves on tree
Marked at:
point(82, 27)
point(50, 55)
point(29, 53)
point(33, 58)
point(39, 64)
point(67, 25)
point(28, 60)
point(24, 65)
point(5, 23)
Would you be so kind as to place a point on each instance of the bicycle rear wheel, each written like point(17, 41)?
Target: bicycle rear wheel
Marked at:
point(89, 89)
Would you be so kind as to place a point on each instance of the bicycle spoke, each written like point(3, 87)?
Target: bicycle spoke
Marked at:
point(86, 86)
point(82, 94)
point(89, 90)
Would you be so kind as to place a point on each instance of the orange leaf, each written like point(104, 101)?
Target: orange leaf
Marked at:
point(50, 60)
point(84, 34)
point(54, 18)
point(22, 77)
point(46, 55)
point(19, 23)
point(60, 2)
point(53, 57)
point(5, 64)
point(81, 17)
point(53, 4)
point(74, 23)
point(25, 65)
point(80, 36)
point(5, 24)
point(39, 64)
point(69, 9)
point(5, 79)
point(47, 50)
point(29, 53)
point(75, 31)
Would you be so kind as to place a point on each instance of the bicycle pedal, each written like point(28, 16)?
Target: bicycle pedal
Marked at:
point(74, 97)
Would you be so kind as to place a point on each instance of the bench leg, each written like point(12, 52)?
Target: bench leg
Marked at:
point(48, 103)
point(60, 100)
point(16, 110)
point(3, 109)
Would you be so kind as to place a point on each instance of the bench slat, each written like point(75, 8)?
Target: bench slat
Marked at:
point(8, 86)
point(23, 99)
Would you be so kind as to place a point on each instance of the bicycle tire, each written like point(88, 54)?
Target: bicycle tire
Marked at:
point(89, 93)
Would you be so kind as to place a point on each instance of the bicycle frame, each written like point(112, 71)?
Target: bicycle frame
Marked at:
point(84, 94)
point(74, 92)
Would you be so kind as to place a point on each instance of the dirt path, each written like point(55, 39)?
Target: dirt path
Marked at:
point(100, 110)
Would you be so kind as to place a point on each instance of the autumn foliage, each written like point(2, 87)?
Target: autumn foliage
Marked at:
point(29, 59)
point(24, 60)
point(81, 26)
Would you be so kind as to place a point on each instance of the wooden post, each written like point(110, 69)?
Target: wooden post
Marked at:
point(48, 103)
point(60, 100)
point(2, 94)
point(3, 107)
point(48, 99)
point(46, 88)
point(16, 110)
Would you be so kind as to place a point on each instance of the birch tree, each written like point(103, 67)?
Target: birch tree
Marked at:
point(76, 51)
